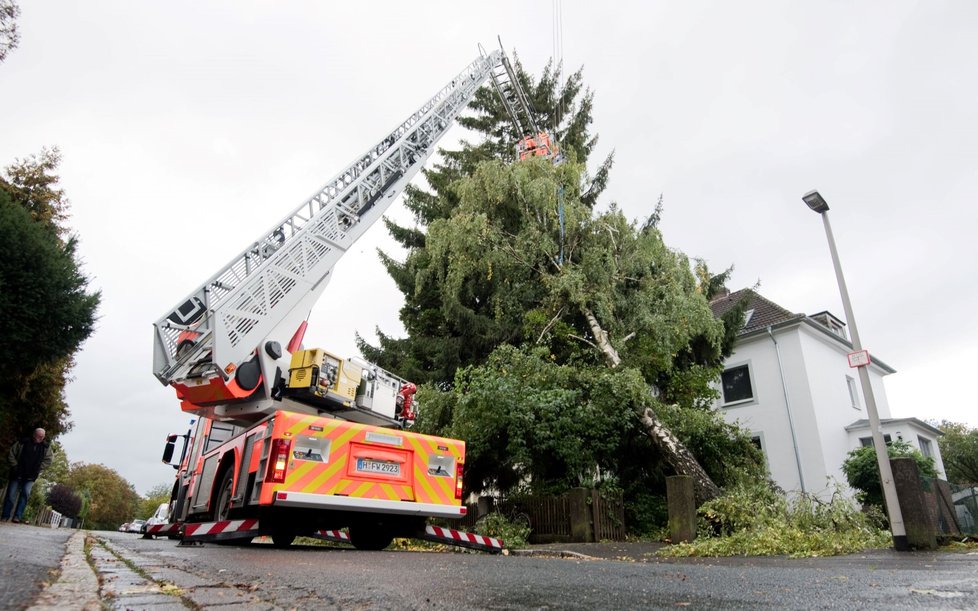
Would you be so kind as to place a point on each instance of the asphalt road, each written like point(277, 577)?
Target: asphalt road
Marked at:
point(331, 578)
point(29, 557)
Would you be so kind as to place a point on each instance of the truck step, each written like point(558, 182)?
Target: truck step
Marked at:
point(221, 531)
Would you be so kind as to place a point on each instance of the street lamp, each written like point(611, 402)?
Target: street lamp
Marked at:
point(817, 203)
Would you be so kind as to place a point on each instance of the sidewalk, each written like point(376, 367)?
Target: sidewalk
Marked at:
point(31, 557)
point(76, 586)
point(124, 579)
point(111, 577)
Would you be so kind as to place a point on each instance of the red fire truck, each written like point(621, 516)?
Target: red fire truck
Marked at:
point(298, 442)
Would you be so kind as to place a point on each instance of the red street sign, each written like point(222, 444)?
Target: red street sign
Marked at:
point(859, 359)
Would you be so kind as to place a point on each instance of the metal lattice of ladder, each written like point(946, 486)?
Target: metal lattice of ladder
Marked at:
point(230, 314)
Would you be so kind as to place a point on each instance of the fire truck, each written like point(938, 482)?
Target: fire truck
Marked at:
point(290, 441)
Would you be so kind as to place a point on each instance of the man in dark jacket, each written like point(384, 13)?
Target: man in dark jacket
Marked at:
point(28, 457)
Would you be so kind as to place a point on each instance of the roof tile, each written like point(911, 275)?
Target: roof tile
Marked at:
point(766, 312)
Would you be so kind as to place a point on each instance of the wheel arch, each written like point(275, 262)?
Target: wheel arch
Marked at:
point(229, 462)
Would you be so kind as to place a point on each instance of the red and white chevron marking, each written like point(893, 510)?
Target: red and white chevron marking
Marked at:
point(451, 535)
point(340, 536)
point(163, 529)
point(223, 527)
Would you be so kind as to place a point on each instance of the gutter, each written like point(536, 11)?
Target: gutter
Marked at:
point(800, 319)
point(787, 409)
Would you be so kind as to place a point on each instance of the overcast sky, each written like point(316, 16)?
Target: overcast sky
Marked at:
point(189, 128)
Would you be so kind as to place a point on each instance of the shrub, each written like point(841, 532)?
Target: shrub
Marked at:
point(63, 499)
point(742, 507)
point(755, 519)
point(513, 534)
point(645, 513)
point(862, 469)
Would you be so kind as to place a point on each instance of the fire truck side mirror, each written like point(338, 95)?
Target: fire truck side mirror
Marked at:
point(171, 444)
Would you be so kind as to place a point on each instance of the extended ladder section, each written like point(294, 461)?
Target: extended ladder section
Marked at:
point(534, 142)
point(513, 97)
point(225, 320)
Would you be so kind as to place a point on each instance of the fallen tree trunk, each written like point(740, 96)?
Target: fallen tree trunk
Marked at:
point(679, 458)
point(601, 337)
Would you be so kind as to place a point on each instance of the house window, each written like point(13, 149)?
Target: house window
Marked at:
point(737, 385)
point(853, 392)
point(925, 446)
point(868, 441)
point(756, 440)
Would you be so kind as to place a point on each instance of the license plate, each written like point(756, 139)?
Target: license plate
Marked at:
point(365, 465)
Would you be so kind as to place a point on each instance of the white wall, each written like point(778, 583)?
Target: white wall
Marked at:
point(827, 369)
point(815, 369)
point(766, 416)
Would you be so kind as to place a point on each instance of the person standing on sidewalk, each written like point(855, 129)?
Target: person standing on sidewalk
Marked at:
point(28, 457)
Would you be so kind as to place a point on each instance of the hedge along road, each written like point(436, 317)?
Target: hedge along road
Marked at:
point(325, 578)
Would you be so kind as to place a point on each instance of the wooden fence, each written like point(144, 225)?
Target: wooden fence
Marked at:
point(580, 515)
point(609, 517)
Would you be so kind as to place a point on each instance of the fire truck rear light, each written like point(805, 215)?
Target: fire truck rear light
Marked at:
point(282, 496)
point(463, 510)
point(278, 460)
point(458, 480)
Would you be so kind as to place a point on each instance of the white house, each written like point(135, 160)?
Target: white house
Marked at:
point(789, 383)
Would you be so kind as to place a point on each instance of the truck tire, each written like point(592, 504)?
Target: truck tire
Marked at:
point(222, 503)
point(370, 537)
point(222, 507)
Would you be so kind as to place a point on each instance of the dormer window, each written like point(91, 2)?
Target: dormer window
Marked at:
point(830, 322)
point(747, 316)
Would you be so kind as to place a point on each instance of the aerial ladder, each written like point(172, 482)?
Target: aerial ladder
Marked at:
point(275, 420)
point(534, 141)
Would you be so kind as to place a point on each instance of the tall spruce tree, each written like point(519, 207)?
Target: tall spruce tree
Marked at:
point(435, 346)
point(515, 254)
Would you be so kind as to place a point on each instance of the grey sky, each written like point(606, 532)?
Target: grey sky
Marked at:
point(188, 128)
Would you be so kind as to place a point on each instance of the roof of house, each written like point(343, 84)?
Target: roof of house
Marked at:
point(864, 424)
point(766, 313)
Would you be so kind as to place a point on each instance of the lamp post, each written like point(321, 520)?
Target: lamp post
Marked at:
point(817, 203)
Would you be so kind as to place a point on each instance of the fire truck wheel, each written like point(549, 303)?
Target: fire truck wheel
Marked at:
point(370, 537)
point(222, 505)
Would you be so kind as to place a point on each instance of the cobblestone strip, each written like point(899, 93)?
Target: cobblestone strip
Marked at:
point(76, 587)
point(182, 590)
point(122, 587)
